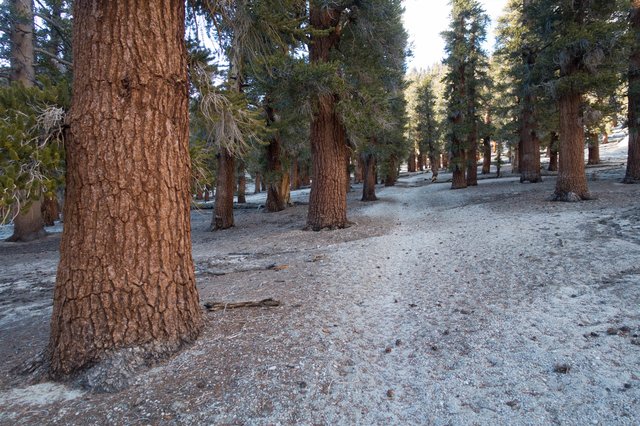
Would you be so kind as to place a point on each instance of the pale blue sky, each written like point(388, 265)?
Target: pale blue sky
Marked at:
point(426, 19)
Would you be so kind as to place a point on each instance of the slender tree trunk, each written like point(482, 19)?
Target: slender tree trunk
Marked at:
point(472, 157)
point(529, 152)
point(328, 198)
point(486, 155)
point(256, 187)
point(358, 175)
point(225, 186)
point(295, 173)
point(632, 174)
point(553, 152)
point(242, 183)
point(368, 162)
point(125, 279)
point(572, 180)
point(515, 158)
point(594, 149)
point(28, 224)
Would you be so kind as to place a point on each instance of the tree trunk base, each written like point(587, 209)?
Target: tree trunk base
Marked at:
point(571, 197)
point(630, 180)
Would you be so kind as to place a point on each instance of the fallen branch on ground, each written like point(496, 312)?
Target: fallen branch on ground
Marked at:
point(219, 306)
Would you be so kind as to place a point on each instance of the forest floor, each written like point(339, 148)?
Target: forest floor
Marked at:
point(489, 305)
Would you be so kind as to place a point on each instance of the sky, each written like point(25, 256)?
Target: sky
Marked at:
point(426, 19)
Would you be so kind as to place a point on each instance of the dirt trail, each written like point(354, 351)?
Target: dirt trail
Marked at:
point(484, 306)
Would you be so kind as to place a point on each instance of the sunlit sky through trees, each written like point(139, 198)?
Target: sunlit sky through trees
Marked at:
point(426, 19)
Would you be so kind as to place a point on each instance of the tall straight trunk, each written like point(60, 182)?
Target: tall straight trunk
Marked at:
point(276, 197)
point(391, 176)
point(225, 186)
point(593, 148)
point(515, 158)
point(529, 164)
point(411, 162)
point(632, 174)
point(472, 157)
point(420, 161)
point(295, 173)
point(242, 183)
point(22, 48)
point(358, 175)
point(28, 224)
point(553, 152)
point(347, 171)
point(445, 161)
point(256, 183)
point(486, 155)
point(328, 198)
point(434, 162)
point(126, 281)
point(572, 180)
point(368, 162)
point(305, 174)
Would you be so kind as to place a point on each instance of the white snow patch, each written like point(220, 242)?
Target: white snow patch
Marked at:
point(40, 394)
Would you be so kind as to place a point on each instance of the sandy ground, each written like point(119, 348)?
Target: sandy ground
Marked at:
point(489, 305)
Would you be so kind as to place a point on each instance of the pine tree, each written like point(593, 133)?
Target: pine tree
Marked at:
point(125, 284)
point(632, 174)
point(427, 126)
point(467, 65)
point(584, 40)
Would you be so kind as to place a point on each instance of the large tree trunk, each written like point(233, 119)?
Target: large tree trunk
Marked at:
point(328, 198)
point(572, 180)
point(256, 183)
point(486, 155)
point(225, 188)
point(529, 151)
point(391, 176)
point(125, 281)
point(276, 177)
point(411, 162)
point(553, 152)
point(632, 174)
point(594, 149)
point(28, 224)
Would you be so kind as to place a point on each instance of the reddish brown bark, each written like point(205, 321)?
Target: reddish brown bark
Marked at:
point(553, 152)
point(572, 180)
point(295, 174)
point(225, 188)
point(328, 198)
point(277, 194)
point(632, 174)
point(125, 278)
point(50, 210)
point(28, 225)
point(368, 161)
point(529, 152)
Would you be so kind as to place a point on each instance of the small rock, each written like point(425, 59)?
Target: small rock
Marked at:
point(561, 368)
point(302, 385)
point(513, 403)
point(390, 393)
point(612, 331)
point(627, 385)
point(635, 342)
point(398, 342)
point(387, 350)
point(625, 329)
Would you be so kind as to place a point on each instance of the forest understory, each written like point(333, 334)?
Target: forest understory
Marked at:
point(490, 305)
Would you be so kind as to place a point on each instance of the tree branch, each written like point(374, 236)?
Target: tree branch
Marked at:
point(52, 56)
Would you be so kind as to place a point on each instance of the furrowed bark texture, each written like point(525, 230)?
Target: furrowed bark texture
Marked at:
point(126, 277)
point(632, 174)
point(328, 198)
point(225, 185)
point(572, 181)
